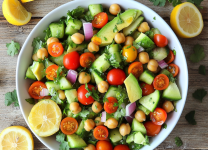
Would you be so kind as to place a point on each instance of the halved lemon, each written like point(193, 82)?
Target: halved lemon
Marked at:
point(45, 117)
point(186, 20)
point(25, 1)
point(16, 138)
point(15, 13)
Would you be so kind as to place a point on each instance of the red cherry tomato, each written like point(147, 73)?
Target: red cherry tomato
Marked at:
point(71, 60)
point(109, 105)
point(55, 49)
point(159, 116)
point(35, 89)
point(152, 129)
point(173, 69)
point(121, 147)
point(81, 95)
point(100, 133)
point(170, 58)
point(146, 89)
point(100, 20)
point(160, 40)
point(86, 59)
point(104, 145)
point(116, 77)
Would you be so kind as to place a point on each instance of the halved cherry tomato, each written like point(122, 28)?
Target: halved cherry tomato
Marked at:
point(71, 60)
point(100, 133)
point(152, 129)
point(160, 40)
point(81, 95)
point(96, 40)
point(130, 52)
point(173, 69)
point(100, 20)
point(146, 89)
point(55, 49)
point(136, 68)
point(170, 58)
point(69, 125)
point(104, 145)
point(116, 77)
point(86, 59)
point(121, 147)
point(111, 105)
point(51, 72)
point(161, 82)
point(35, 89)
point(158, 116)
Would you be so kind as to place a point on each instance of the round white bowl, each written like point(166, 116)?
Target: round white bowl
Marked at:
point(24, 60)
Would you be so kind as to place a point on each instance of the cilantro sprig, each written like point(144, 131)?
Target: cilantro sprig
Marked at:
point(162, 3)
point(60, 137)
point(13, 48)
point(198, 54)
point(11, 97)
point(94, 93)
point(199, 94)
point(190, 117)
point(178, 141)
point(202, 70)
point(37, 44)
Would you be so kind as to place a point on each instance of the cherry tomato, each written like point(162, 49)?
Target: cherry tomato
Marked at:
point(111, 105)
point(104, 145)
point(86, 59)
point(100, 133)
point(158, 116)
point(170, 58)
point(160, 40)
point(35, 89)
point(130, 52)
point(116, 77)
point(69, 125)
point(100, 20)
point(81, 95)
point(96, 40)
point(55, 49)
point(161, 82)
point(173, 69)
point(136, 68)
point(71, 60)
point(146, 89)
point(152, 129)
point(51, 72)
point(121, 147)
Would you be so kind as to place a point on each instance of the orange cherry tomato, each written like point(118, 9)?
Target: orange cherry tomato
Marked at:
point(170, 58)
point(51, 72)
point(136, 68)
point(158, 116)
point(100, 133)
point(161, 82)
point(35, 89)
point(100, 20)
point(104, 145)
point(152, 129)
point(173, 69)
point(55, 49)
point(111, 105)
point(130, 52)
point(86, 59)
point(121, 147)
point(96, 40)
point(82, 95)
point(146, 89)
point(69, 125)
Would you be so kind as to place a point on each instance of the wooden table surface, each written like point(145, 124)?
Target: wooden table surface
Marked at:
point(193, 137)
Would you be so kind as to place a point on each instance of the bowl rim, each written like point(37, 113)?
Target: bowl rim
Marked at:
point(120, 1)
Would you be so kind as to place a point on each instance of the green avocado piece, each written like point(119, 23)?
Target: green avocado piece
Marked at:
point(144, 41)
point(38, 70)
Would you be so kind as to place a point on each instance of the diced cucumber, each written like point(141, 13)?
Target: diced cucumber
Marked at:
point(136, 34)
point(150, 101)
point(74, 47)
point(130, 138)
point(154, 31)
point(95, 9)
point(71, 95)
point(73, 25)
point(69, 40)
point(111, 92)
point(144, 109)
point(147, 77)
point(139, 138)
point(115, 135)
point(80, 128)
point(58, 60)
point(144, 41)
point(70, 30)
point(30, 74)
point(92, 78)
point(75, 141)
point(48, 63)
point(172, 92)
point(165, 72)
point(65, 84)
point(38, 70)
point(101, 63)
point(114, 52)
point(138, 126)
point(51, 84)
point(97, 77)
point(160, 53)
point(57, 29)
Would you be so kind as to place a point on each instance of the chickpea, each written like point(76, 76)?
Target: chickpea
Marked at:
point(124, 129)
point(144, 57)
point(95, 32)
point(77, 38)
point(75, 108)
point(98, 121)
point(103, 86)
point(92, 47)
point(111, 123)
point(168, 106)
point(129, 40)
point(144, 27)
point(62, 95)
point(89, 124)
point(84, 78)
point(35, 57)
point(90, 147)
point(42, 53)
point(152, 65)
point(119, 38)
point(96, 107)
point(140, 116)
point(114, 9)
point(51, 40)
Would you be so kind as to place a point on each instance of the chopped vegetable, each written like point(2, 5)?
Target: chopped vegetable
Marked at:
point(72, 76)
point(162, 64)
point(88, 31)
point(130, 108)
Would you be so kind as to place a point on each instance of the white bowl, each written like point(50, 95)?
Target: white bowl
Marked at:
point(24, 60)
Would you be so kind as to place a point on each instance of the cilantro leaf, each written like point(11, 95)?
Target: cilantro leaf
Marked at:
point(190, 117)
point(171, 78)
point(111, 59)
point(48, 34)
point(174, 52)
point(55, 95)
point(115, 30)
point(154, 18)
point(31, 101)
point(64, 146)
point(196, 2)
point(94, 93)
point(199, 94)
point(134, 146)
point(11, 97)
point(164, 126)
point(120, 21)
point(75, 13)
point(202, 70)
point(37, 44)
point(198, 54)
point(88, 17)
point(175, 2)
point(121, 94)
point(178, 141)
point(60, 137)
point(84, 113)
point(160, 3)
point(13, 48)
point(60, 73)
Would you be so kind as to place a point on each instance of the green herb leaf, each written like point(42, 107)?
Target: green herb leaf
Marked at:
point(115, 105)
point(128, 47)
point(31, 101)
point(89, 18)
point(198, 54)
point(171, 78)
point(94, 93)
point(178, 141)
point(175, 2)
point(154, 18)
point(48, 34)
point(199, 94)
point(96, 121)
point(202, 70)
point(196, 2)
point(120, 21)
point(164, 126)
point(37, 44)
point(55, 96)
point(13, 48)
point(115, 30)
point(60, 137)
point(160, 3)
point(60, 73)
point(11, 97)
point(64, 146)
point(105, 39)
point(75, 13)
point(190, 117)
point(174, 52)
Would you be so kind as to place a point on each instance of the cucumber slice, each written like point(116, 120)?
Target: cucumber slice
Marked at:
point(50, 85)
point(138, 126)
point(57, 29)
point(95, 9)
point(114, 52)
point(74, 23)
point(30, 74)
point(48, 63)
point(74, 47)
point(97, 77)
point(70, 30)
point(144, 109)
point(75, 141)
point(139, 138)
point(71, 95)
point(130, 138)
point(80, 128)
point(65, 84)
point(144, 41)
point(147, 77)
point(101, 63)
point(58, 60)
point(111, 92)
point(160, 53)
point(172, 92)
point(115, 135)
point(38, 70)
point(165, 72)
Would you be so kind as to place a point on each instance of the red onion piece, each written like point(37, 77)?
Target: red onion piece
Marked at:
point(162, 64)
point(88, 31)
point(44, 92)
point(72, 76)
point(130, 108)
point(140, 49)
point(130, 118)
point(103, 118)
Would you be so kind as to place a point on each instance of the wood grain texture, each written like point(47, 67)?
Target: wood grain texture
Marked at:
point(193, 137)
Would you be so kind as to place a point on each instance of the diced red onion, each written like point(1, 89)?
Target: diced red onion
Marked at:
point(140, 49)
point(88, 31)
point(44, 92)
point(162, 64)
point(72, 76)
point(130, 108)
point(103, 118)
point(130, 118)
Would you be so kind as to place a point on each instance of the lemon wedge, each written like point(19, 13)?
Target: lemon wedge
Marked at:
point(15, 13)
point(45, 117)
point(15, 138)
point(25, 1)
point(186, 20)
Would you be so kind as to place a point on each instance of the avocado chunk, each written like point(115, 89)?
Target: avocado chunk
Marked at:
point(29, 74)
point(133, 89)
point(38, 70)
point(144, 41)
